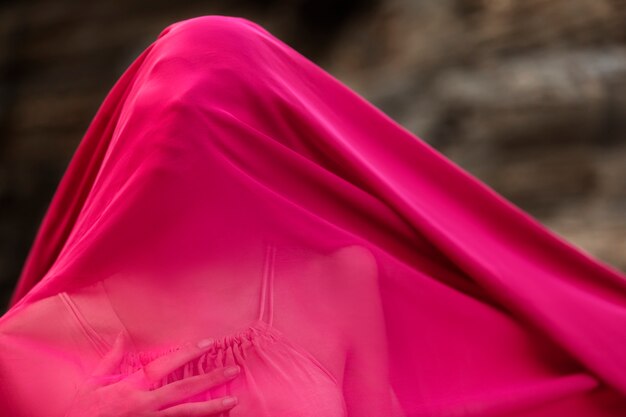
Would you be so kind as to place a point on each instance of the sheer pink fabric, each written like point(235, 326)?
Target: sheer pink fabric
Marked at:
point(230, 188)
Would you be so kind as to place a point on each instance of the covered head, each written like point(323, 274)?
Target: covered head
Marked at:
point(223, 160)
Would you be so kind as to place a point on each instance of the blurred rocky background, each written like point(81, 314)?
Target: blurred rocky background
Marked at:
point(528, 96)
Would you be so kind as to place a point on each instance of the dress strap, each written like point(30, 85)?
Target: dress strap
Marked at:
point(268, 281)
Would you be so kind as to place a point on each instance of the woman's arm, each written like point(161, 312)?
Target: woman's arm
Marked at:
point(366, 384)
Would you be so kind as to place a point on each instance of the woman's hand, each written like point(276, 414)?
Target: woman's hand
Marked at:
point(106, 395)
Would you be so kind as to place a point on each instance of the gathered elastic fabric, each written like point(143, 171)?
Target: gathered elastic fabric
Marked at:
point(231, 346)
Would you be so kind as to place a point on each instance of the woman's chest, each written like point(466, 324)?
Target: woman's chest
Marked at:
point(277, 378)
point(301, 311)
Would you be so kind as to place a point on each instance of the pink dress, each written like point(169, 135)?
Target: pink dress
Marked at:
point(271, 365)
point(444, 298)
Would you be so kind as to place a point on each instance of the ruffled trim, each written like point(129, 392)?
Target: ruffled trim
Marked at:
point(226, 348)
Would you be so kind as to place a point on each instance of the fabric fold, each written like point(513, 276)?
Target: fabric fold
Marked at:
point(425, 291)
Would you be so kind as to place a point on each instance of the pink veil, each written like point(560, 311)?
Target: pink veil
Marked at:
point(220, 141)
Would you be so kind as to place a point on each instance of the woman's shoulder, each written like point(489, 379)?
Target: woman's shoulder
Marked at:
point(44, 317)
point(355, 270)
point(353, 275)
point(355, 258)
point(338, 285)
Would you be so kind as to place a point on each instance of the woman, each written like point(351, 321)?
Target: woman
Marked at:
point(230, 189)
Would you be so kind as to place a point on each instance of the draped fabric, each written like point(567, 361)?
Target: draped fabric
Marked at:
point(223, 165)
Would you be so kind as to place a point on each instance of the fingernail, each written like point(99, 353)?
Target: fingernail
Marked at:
point(229, 401)
point(231, 371)
point(205, 342)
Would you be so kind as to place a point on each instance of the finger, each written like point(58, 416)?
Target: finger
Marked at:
point(103, 380)
point(163, 365)
point(111, 360)
point(199, 409)
point(189, 386)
